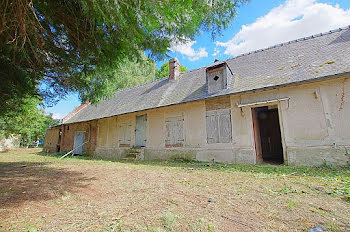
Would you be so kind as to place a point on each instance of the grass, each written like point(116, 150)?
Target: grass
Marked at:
point(40, 192)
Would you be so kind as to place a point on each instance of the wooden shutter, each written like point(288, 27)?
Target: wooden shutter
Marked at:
point(219, 129)
point(212, 127)
point(168, 125)
point(125, 134)
point(225, 128)
point(174, 135)
point(128, 133)
point(179, 131)
point(122, 134)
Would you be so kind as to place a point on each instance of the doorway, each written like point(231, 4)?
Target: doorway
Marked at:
point(141, 125)
point(268, 139)
point(79, 137)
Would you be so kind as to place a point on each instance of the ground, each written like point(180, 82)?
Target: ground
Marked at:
point(39, 192)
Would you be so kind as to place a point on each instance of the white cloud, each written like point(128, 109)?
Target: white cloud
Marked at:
point(292, 20)
point(216, 52)
point(57, 116)
point(186, 49)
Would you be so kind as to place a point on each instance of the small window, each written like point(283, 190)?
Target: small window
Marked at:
point(174, 136)
point(67, 128)
point(219, 128)
point(216, 78)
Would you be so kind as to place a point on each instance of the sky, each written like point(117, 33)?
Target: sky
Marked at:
point(259, 24)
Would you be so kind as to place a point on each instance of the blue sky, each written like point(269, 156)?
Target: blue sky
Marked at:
point(259, 24)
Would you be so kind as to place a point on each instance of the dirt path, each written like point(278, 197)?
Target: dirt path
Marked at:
point(39, 193)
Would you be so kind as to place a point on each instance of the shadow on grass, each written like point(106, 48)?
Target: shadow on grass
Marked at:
point(22, 182)
point(321, 171)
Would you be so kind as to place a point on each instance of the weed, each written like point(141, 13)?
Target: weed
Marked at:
point(113, 227)
point(203, 225)
point(169, 220)
point(291, 204)
point(325, 165)
point(286, 189)
point(31, 229)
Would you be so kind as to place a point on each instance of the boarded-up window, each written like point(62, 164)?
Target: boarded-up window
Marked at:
point(219, 129)
point(125, 134)
point(174, 136)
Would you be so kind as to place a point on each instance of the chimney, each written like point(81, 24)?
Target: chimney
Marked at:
point(174, 69)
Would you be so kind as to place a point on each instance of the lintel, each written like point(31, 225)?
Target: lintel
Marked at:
point(263, 102)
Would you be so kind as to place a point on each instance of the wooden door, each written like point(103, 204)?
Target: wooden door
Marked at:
point(79, 137)
point(141, 130)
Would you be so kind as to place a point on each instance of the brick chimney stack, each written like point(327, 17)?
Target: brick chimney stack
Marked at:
point(174, 69)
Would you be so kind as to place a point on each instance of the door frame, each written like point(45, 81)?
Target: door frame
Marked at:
point(256, 132)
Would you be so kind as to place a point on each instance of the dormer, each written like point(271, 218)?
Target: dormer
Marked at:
point(216, 76)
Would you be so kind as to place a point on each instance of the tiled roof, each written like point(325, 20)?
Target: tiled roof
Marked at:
point(310, 58)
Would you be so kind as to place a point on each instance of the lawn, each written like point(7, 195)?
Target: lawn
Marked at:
point(39, 192)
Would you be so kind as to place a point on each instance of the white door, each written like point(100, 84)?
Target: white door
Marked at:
point(79, 137)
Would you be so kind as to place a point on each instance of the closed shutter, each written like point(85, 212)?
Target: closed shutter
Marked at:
point(179, 132)
point(225, 128)
point(168, 134)
point(212, 127)
point(174, 135)
point(128, 134)
point(219, 129)
point(122, 134)
point(125, 134)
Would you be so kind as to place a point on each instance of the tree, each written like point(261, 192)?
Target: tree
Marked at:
point(53, 48)
point(30, 122)
point(128, 74)
point(164, 70)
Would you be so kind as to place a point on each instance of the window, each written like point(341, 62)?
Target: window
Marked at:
point(219, 129)
point(124, 134)
point(174, 136)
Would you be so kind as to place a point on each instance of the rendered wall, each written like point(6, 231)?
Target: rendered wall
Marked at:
point(315, 127)
point(315, 123)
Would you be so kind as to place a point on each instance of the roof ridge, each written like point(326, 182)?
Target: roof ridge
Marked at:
point(292, 41)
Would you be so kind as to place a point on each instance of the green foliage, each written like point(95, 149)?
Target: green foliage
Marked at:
point(164, 70)
point(28, 121)
point(53, 48)
point(129, 73)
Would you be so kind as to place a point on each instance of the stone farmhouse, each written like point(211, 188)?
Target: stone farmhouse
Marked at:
point(289, 104)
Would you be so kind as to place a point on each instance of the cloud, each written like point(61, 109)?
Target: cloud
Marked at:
point(292, 20)
point(186, 49)
point(216, 52)
point(57, 116)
